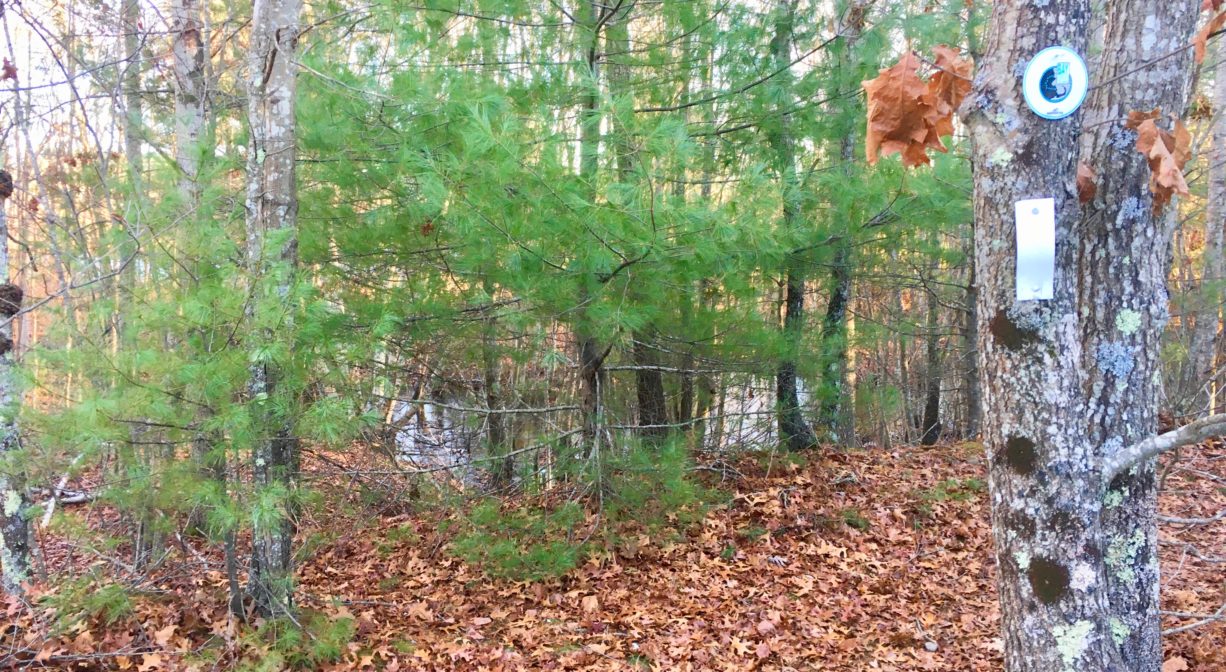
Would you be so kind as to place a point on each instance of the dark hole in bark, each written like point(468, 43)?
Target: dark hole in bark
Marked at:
point(10, 299)
point(6, 344)
point(1008, 334)
point(1021, 455)
point(1048, 579)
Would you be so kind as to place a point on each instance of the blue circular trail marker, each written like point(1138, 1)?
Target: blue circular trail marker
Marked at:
point(1055, 83)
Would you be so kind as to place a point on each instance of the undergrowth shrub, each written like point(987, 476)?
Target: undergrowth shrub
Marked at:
point(640, 489)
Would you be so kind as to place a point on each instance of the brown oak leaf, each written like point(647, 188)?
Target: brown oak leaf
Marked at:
point(907, 115)
point(1201, 39)
point(1166, 152)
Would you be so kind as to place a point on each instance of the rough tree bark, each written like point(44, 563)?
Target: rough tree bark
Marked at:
point(14, 525)
point(1126, 252)
point(272, 248)
point(495, 421)
point(794, 430)
point(1067, 383)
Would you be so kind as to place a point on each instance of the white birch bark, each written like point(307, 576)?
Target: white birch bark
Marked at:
point(272, 248)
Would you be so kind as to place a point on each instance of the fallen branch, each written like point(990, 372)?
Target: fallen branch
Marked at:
point(1205, 620)
point(1194, 521)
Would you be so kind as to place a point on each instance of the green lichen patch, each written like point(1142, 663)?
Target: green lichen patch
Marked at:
point(1009, 334)
point(1123, 555)
point(1119, 631)
point(1072, 641)
point(1021, 455)
point(12, 503)
point(1128, 321)
point(1048, 579)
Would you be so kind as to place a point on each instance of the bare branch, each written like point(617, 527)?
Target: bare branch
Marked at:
point(1148, 449)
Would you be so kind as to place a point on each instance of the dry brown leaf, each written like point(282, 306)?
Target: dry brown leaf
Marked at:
point(1176, 664)
point(907, 115)
point(947, 89)
point(1136, 117)
point(1201, 39)
point(1087, 182)
point(895, 117)
point(162, 637)
point(1167, 154)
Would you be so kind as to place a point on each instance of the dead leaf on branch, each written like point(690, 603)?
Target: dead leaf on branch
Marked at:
point(1166, 152)
point(907, 115)
point(1201, 39)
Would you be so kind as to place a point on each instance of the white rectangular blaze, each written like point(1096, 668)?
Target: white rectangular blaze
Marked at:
point(1036, 248)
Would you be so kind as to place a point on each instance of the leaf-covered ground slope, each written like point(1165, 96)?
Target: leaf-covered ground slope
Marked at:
point(874, 560)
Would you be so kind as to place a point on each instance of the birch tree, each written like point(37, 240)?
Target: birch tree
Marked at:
point(272, 250)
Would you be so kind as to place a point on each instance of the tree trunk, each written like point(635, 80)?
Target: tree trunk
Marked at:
point(648, 381)
point(970, 337)
point(190, 56)
point(591, 360)
point(495, 422)
point(837, 408)
point(930, 428)
point(1126, 254)
point(14, 525)
point(272, 210)
point(1068, 382)
point(1203, 349)
point(188, 49)
point(794, 431)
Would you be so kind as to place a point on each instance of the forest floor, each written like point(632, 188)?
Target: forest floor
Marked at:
point(872, 560)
